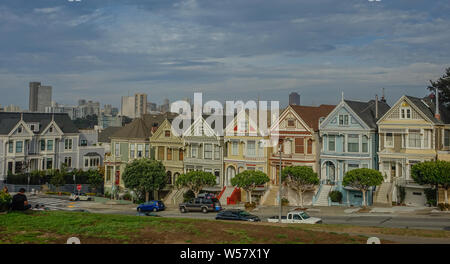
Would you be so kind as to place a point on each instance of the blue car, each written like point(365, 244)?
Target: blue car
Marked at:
point(151, 206)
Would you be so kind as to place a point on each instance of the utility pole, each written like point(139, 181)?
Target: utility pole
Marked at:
point(280, 142)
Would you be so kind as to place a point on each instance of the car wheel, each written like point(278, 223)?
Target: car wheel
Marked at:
point(154, 209)
point(139, 209)
point(183, 210)
point(205, 210)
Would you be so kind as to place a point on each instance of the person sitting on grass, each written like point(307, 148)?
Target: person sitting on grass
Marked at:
point(20, 202)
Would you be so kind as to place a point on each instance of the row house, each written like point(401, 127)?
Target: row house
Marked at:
point(43, 141)
point(414, 130)
point(298, 130)
point(349, 137)
point(129, 143)
point(245, 148)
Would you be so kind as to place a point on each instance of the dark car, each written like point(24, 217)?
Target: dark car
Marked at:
point(237, 215)
point(151, 206)
point(203, 204)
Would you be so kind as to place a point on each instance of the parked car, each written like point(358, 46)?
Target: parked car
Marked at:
point(296, 217)
point(237, 215)
point(204, 205)
point(154, 206)
point(80, 197)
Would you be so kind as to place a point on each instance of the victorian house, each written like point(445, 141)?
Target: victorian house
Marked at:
point(349, 137)
point(127, 144)
point(246, 148)
point(43, 141)
point(412, 131)
point(297, 128)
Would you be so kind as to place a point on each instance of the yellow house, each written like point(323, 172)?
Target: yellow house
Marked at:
point(444, 153)
point(409, 133)
point(244, 150)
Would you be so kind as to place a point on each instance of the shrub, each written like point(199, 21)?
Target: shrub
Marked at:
point(91, 194)
point(335, 196)
point(284, 201)
point(250, 206)
point(127, 196)
point(107, 194)
point(441, 206)
point(431, 196)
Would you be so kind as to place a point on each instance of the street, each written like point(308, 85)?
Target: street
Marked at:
point(431, 221)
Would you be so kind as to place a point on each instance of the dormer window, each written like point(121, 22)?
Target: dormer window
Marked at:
point(32, 127)
point(343, 120)
point(291, 123)
point(19, 130)
point(167, 133)
point(50, 129)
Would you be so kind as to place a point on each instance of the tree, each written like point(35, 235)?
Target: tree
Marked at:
point(248, 180)
point(196, 181)
point(362, 179)
point(436, 173)
point(300, 178)
point(95, 178)
point(58, 177)
point(443, 86)
point(144, 176)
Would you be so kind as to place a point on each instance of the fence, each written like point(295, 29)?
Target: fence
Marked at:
point(85, 188)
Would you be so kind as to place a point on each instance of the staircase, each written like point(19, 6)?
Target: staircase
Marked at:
point(175, 197)
point(322, 199)
point(226, 193)
point(383, 195)
point(271, 196)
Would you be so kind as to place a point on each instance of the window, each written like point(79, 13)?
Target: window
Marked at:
point(234, 148)
point(243, 126)
point(260, 148)
point(50, 129)
point(19, 146)
point(217, 174)
point(68, 161)
point(32, 127)
point(50, 145)
point(251, 148)
point(216, 152)
point(353, 143)
point(19, 130)
point(160, 153)
point(291, 123)
point(68, 144)
point(167, 133)
point(310, 145)
point(169, 154)
point(405, 113)
point(49, 163)
point(365, 165)
point(365, 144)
point(42, 145)
point(86, 162)
point(447, 138)
point(208, 151)
point(426, 138)
point(140, 150)
point(83, 143)
point(299, 145)
point(194, 151)
point(180, 154)
point(352, 167)
point(132, 150)
point(389, 140)
point(117, 149)
point(11, 147)
point(414, 138)
point(332, 143)
point(147, 150)
point(343, 120)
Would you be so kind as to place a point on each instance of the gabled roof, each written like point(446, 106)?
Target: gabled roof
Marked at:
point(9, 120)
point(366, 110)
point(143, 127)
point(428, 107)
point(312, 114)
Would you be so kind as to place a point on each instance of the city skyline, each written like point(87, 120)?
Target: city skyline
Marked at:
point(103, 50)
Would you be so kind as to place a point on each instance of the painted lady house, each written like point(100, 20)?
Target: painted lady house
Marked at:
point(412, 131)
point(349, 141)
point(298, 128)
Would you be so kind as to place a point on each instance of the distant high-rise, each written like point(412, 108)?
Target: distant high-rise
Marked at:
point(127, 106)
point(140, 104)
point(294, 99)
point(40, 97)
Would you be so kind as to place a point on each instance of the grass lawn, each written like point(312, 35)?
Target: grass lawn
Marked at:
point(58, 226)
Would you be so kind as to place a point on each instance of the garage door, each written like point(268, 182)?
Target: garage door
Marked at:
point(415, 197)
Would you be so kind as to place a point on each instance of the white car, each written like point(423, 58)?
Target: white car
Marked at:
point(296, 217)
point(80, 197)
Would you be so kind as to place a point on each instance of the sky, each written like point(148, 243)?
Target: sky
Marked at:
point(227, 49)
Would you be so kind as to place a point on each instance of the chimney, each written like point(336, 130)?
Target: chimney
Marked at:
point(376, 106)
point(382, 97)
point(437, 115)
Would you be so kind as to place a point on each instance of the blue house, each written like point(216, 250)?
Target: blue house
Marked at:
point(349, 141)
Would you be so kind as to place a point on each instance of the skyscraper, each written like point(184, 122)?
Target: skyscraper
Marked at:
point(140, 104)
point(40, 97)
point(294, 98)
